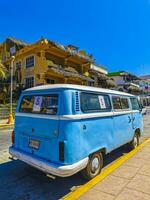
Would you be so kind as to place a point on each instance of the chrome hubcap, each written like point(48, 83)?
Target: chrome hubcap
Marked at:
point(95, 164)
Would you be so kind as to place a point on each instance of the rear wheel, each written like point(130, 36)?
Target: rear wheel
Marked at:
point(93, 167)
point(135, 142)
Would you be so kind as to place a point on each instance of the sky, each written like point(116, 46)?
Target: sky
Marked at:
point(115, 32)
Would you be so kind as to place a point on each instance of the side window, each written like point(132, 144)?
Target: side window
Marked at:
point(116, 103)
point(135, 103)
point(124, 103)
point(44, 104)
point(94, 102)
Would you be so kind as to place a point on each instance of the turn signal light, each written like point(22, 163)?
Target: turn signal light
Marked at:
point(13, 137)
point(61, 151)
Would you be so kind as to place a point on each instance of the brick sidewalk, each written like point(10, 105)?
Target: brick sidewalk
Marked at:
point(131, 181)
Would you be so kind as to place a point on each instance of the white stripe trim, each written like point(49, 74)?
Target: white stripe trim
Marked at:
point(122, 112)
point(37, 116)
point(88, 115)
point(135, 111)
point(71, 117)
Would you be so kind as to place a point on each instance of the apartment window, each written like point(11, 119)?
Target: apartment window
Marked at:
point(50, 81)
point(29, 82)
point(30, 62)
point(90, 83)
point(18, 65)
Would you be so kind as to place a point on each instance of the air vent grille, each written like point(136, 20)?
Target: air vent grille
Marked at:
point(77, 104)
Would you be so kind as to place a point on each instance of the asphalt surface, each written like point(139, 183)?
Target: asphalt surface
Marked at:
point(19, 181)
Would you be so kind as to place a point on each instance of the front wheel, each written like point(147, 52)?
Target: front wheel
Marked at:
point(135, 142)
point(93, 167)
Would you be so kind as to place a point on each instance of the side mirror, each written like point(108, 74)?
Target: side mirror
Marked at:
point(141, 107)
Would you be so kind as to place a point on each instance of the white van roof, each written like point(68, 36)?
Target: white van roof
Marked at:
point(78, 87)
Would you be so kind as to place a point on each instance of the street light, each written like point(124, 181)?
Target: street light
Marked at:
point(11, 119)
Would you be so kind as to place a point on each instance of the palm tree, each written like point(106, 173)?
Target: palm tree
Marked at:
point(2, 70)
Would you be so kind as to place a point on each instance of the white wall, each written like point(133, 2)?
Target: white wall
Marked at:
point(118, 80)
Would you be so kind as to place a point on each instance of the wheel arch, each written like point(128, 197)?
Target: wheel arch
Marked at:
point(102, 150)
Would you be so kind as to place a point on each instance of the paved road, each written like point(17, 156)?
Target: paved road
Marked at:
point(18, 181)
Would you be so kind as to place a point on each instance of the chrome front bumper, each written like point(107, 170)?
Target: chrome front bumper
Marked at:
point(48, 167)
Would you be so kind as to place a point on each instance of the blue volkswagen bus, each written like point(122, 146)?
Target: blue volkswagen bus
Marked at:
point(62, 128)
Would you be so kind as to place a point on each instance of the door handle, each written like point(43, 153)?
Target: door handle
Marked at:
point(84, 127)
point(129, 119)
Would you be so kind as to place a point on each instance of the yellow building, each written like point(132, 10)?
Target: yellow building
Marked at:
point(46, 62)
point(5, 48)
point(8, 45)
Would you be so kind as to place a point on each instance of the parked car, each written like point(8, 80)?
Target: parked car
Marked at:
point(63, 129)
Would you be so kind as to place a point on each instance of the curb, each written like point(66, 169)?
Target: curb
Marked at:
point(5, 126)
point(74, 195)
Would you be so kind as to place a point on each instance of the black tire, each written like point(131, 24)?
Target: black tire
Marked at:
point(93, 167)
point(135, 142)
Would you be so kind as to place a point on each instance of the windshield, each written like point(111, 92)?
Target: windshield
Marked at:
point(39, 104)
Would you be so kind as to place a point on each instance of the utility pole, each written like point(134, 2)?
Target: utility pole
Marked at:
point(11, 119)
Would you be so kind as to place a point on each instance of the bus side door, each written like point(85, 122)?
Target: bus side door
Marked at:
point(122, 121)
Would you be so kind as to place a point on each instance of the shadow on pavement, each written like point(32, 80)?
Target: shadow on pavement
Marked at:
point(114, 155)
point(19, 181)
